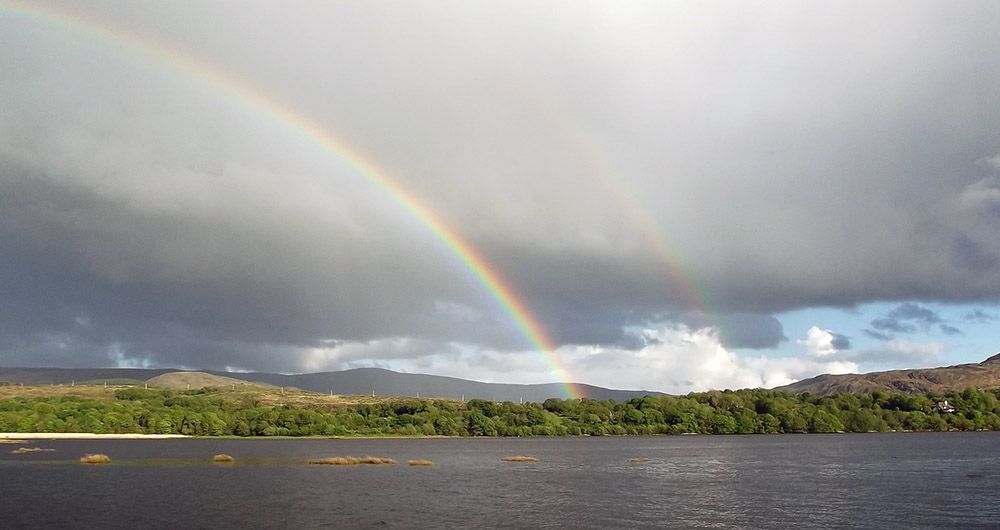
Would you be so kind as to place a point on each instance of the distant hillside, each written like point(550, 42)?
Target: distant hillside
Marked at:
point(389, 383)
point(48, 376)
point(186, 380)
point(357, 381)
point(983, 375)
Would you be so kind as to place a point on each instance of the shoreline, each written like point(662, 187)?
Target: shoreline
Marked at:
point(84, 436)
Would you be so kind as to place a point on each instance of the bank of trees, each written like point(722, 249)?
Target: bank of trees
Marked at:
point(728, 412)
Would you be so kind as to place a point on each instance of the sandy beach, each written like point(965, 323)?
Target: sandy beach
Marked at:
point(82, 436)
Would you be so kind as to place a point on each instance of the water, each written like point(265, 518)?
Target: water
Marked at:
point(831, 481)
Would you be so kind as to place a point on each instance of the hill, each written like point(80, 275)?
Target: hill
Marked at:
point(984, 375)
point(194, 380)
point(359, 381)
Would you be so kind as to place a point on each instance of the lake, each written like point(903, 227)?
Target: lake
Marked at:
point(765, 481)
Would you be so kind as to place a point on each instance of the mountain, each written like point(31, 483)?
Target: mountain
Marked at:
point(356, 381)
point(981, 375)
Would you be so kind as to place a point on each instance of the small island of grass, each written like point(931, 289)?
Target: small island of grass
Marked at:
point(95, 459)
point(519, 459)
point(352, 460)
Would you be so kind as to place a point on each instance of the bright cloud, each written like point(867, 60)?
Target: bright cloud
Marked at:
point(675, 359)
point(819, 343)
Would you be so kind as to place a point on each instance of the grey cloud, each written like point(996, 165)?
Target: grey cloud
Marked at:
point(840, 342)
point(908, 318)
point(877, 335)
point(916, 312)
point(978, 315)
point(670, 159)
point(893, 324)
point(949, 329)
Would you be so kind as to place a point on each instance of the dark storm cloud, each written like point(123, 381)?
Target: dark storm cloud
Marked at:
point(646, 159)
point(740, 330)
point(81, 287)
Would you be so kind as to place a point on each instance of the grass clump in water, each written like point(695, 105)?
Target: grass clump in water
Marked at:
point(519, 459)
point(376, 460)
point(222, 458)
point(638, 460)
point(95, 459)
point(11, 441)
point(335, 461)
point(352, 460)
point(420, 463)
point(22, 450)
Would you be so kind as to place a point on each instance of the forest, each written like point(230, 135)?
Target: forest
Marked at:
point(205, 413)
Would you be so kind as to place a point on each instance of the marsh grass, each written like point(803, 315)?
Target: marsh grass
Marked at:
point(95, 459)
point(519, 459)
point(222, 458)
point(22, 450)
point(10, 441)
point(420, 463)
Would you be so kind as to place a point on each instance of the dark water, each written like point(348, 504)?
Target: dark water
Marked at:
point(833, 481)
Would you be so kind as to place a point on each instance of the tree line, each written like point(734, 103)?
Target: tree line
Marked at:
point(200, 413)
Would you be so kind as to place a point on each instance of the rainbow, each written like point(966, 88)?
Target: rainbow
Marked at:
point(241, 91)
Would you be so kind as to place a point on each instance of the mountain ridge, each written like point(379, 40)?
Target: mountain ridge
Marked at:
point(353, 381)
point(984, 374)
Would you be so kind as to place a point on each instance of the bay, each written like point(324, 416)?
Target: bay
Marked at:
point(914, 480)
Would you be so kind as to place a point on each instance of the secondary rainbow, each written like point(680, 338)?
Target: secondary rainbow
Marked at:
point(248, 95)
point(682, 278)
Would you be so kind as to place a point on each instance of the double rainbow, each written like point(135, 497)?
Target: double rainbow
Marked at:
point(241, 91)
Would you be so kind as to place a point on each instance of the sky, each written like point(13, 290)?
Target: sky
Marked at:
point(670, 196)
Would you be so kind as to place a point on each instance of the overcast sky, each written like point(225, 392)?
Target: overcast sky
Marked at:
point(685, 195)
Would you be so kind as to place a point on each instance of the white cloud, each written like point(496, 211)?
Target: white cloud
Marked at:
point(903, 353)
point(982, 194)
point(340, 355)
point(675, 359)
point(678, 359)
point(819, 343)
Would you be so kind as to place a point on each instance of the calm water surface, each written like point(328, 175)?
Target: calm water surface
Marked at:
point(829, 481)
